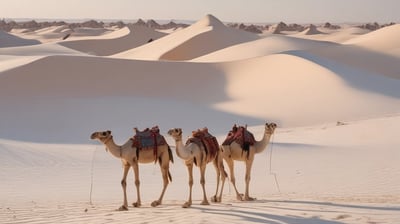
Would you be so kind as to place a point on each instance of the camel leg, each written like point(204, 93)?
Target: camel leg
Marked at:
point(137, 184)
point(219, 167)
point(233, 180)
point(223, 176)
point(249, 164)
point(124, 207)
point(164, 165)
point(218, 172)
point(203, 183)
point(190, 170)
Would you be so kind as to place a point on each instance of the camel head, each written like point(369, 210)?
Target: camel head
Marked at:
point(102, 136)
point(270, 128)
point(176, 133)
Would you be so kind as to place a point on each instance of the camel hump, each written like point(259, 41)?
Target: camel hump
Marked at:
point(148, 138)
point(203, 137)
point(241, 135)
point(147, 131)
point(201, 133)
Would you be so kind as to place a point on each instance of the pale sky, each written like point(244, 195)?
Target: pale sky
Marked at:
point(263, 11)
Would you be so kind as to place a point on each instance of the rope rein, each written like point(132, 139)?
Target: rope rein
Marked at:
point(270, 165)
point(91, 176)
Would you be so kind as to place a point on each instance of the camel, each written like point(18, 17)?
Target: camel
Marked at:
point(131, 157)
point(234, 151)
point(192, 153)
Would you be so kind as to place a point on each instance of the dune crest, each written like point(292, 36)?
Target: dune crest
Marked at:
point(203, 37)
point(209, 20)
point(312, 30)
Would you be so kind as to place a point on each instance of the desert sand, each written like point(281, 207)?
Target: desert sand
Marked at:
point(335, 96)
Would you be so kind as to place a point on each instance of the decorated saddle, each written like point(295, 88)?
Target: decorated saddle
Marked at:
point(149, 138)
point(202, 137)
point(241, 136)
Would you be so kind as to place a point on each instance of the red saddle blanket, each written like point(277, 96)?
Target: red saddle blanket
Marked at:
point(202, 137)
point(241, 136)
point(148, 139)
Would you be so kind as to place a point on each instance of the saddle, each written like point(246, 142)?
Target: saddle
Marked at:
point(241, 136)
point(202, 137)
point(148, 139)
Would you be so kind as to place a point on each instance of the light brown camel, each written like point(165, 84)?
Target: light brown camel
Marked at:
point(234, 151)
point(131, 157)
point(192, 153)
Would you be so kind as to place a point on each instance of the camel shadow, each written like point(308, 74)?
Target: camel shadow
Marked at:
point(265, 217)
point(261, 213)
point(331, 204)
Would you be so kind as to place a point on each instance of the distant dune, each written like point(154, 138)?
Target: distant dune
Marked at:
point(9, 40)
point(205, 36)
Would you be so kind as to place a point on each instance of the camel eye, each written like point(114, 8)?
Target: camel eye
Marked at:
point(104, 133)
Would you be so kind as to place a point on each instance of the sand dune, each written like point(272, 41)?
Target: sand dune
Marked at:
point(9, 40)
point(336, 105)
point(312, 30)
point(289, 82)
point(110, 44)
point(271, 44)
point(337, 36)
point(205, 36)
point(57, 33)
point(384, 40)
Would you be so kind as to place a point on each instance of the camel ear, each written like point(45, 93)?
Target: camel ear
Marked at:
point(108, 131)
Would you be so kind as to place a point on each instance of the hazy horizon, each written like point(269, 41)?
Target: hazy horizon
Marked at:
point(251, 11)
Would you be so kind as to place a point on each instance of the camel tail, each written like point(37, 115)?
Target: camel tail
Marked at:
point(171, 157)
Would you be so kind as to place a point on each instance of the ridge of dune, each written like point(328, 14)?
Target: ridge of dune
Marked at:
point(14, 57)
point(337, 36)
point(384, 40)
point(312, 30)
point(271, 44)
point(111, 44)
point(205, 36)
point(9, 40)
point(209, 20)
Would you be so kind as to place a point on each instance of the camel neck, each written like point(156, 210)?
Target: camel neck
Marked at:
point(114, 149)
point(262, 145)
point(181, 150)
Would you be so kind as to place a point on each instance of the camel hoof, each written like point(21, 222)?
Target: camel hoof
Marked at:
point(186, 204)
point(123, 208)
point(136, 204)
point(155, 203)
point(239, 197)
point(248, 198)
point(216, 199)
point(205, 203)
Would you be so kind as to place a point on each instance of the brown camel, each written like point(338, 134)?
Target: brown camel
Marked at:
point(235, 151)
point(193, 153)
point(131, 156)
